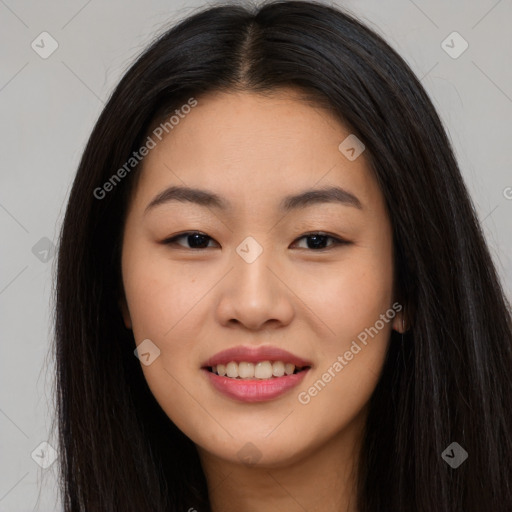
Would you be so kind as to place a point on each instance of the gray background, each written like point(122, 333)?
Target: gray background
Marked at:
point(48, 107)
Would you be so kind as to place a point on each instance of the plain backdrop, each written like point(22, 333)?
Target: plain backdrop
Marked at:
point(48, 107)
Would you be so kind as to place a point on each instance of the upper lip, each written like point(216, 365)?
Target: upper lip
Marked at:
point(254, 355)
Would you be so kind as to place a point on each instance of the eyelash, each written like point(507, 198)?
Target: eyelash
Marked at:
point(337, 241)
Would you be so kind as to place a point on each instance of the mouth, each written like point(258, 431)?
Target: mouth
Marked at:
point(255, 374)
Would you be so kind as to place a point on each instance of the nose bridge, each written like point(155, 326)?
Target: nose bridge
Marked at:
point(251, 261)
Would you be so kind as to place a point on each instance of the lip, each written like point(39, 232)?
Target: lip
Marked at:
point(254, 390)
point(254, 355)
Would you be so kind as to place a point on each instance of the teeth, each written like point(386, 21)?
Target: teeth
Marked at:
point(260, 370)
point(278, 368)
point(232, 370)
point(246, 370)
point(263, 370)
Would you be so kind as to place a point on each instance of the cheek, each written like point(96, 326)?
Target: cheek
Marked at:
point(350, 362)
point(356, 305)
point(157, 292)
point(161, 300)
point(352, 296)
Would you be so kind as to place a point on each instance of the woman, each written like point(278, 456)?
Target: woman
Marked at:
point(273, 292)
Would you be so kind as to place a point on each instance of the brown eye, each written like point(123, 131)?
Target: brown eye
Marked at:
point(195, 239)
point(318, 241)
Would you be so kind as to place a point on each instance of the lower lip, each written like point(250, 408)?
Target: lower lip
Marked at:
point(255, 390)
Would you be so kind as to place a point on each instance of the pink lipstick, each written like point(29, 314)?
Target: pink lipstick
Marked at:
point(255, 374)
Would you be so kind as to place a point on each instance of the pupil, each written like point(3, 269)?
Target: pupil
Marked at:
point(198, 241)
point(318, 241)
point(196, 237)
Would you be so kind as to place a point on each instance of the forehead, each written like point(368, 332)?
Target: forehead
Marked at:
point(252, 147)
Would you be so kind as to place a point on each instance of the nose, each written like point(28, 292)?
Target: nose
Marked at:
point(255, 295)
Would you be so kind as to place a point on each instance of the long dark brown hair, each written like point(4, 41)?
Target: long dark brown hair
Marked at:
point(448, 379)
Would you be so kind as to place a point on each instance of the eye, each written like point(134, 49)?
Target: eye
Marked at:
point(200, 241)
point(196, 239)
point(317, 241)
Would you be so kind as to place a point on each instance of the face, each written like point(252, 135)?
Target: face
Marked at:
point(273, 281)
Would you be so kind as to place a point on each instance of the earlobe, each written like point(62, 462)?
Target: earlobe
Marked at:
point(400, 323)
point(123, 306)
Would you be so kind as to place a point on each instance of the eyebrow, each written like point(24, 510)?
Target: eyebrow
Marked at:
point(211, 200)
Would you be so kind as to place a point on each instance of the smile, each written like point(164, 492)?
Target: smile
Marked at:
point(260, 370)
point(254, 374)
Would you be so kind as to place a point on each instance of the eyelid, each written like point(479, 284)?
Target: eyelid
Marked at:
point(172, 240)
point(338, 241)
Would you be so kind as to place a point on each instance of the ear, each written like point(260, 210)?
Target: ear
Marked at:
point(123, 306)
point(400, 322)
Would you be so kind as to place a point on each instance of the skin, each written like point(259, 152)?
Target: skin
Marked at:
point(192, 303)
